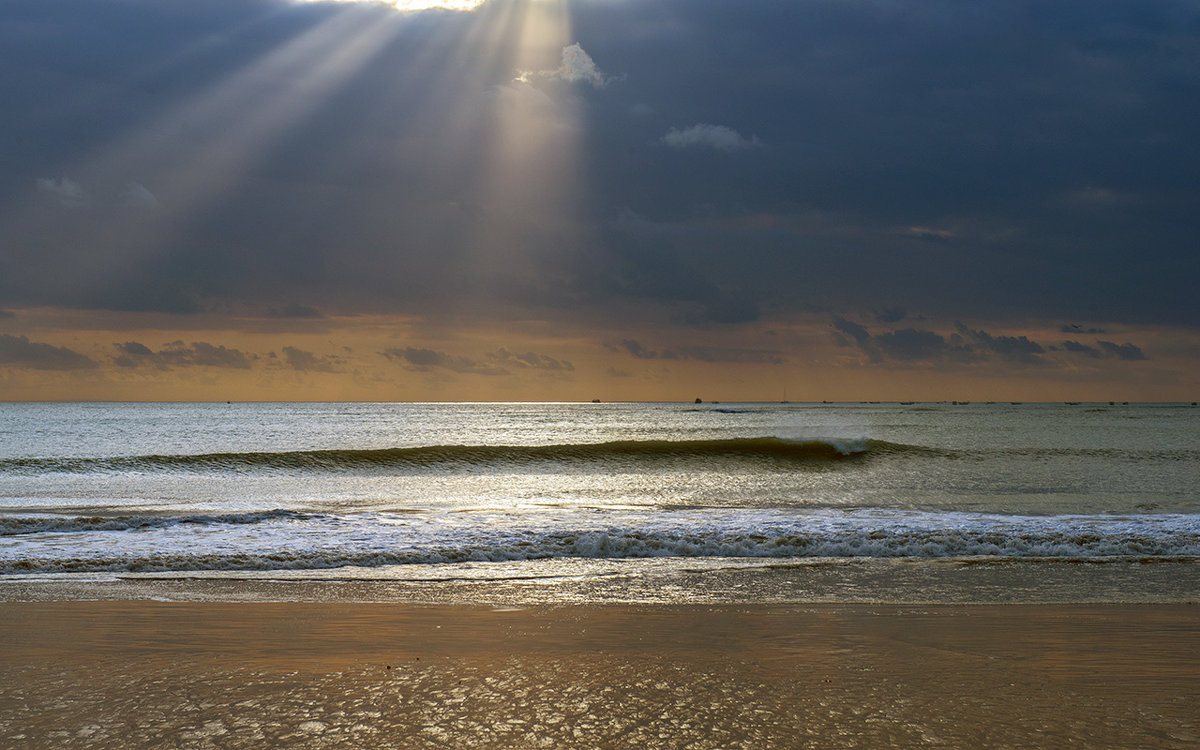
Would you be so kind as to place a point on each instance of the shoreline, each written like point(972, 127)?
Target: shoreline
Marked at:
point(661, 581)
point(141, 674)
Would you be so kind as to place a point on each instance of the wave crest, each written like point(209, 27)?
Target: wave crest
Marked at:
point(13, 525)
point(475, 457)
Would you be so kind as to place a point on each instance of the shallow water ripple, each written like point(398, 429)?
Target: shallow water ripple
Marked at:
point(602, 701)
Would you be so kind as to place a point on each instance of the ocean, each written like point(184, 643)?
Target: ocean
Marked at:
point(632, 502)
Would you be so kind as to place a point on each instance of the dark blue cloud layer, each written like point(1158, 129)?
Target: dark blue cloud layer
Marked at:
point(981, 160)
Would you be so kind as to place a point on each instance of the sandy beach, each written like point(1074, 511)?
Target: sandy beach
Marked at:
point(142, 674)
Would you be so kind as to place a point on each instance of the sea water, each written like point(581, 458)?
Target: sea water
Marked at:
point(627, 502)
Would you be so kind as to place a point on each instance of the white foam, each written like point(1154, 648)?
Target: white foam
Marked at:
point(287, 542)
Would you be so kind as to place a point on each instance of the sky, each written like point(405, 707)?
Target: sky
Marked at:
point(617, 199)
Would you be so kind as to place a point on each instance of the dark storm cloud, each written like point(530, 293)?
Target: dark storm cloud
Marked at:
point(178, 354)
point(978, 127)
point(19, 351)
point(983, 160)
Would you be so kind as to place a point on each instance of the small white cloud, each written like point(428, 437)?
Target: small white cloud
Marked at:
point(67, 191)
point(136, 195)
point(703, 135)
point(577, 67)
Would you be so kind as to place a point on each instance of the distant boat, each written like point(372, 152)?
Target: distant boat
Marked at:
point(595, 401)
point(699, 401)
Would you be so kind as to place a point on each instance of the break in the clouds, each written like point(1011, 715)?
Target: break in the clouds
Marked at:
point(19, 351)
point(702, 135)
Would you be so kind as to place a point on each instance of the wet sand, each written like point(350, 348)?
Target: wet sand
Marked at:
point(139, 674)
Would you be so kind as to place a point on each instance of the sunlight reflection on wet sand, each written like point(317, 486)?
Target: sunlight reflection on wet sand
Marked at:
point(87, 674)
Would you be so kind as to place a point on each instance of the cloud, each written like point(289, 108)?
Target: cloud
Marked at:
point(500, 362)
point(425, 360)
point(294, 310)
point(906, 121)
point(911, 344)
point(531, 360)
point(68, 192)
point(1127, 351)
point(929, 234)
point(704, 353)
point(304, 361)
point(1075, 328)
point(1013, 348)
point(719, 137)
point(577, 67)
point(1076, 347)
point(637, 350)
point(177, 354)
point(135, 195)
point(855, 331)
point(967, 345)
point(891, 315)
point(19, 351)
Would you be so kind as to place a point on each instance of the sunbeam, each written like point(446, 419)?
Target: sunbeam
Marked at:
point(412, 5)
point(195, 153)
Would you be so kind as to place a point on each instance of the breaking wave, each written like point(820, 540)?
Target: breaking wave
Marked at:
point(12, 525)
point(1093, 538)
point(631, 453)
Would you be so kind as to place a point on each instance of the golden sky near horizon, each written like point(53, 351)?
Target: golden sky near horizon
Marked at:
point(386, 358)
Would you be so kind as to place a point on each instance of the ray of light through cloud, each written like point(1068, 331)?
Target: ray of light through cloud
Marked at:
point(412, 5)
point(791, 187)
point(227, 130)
